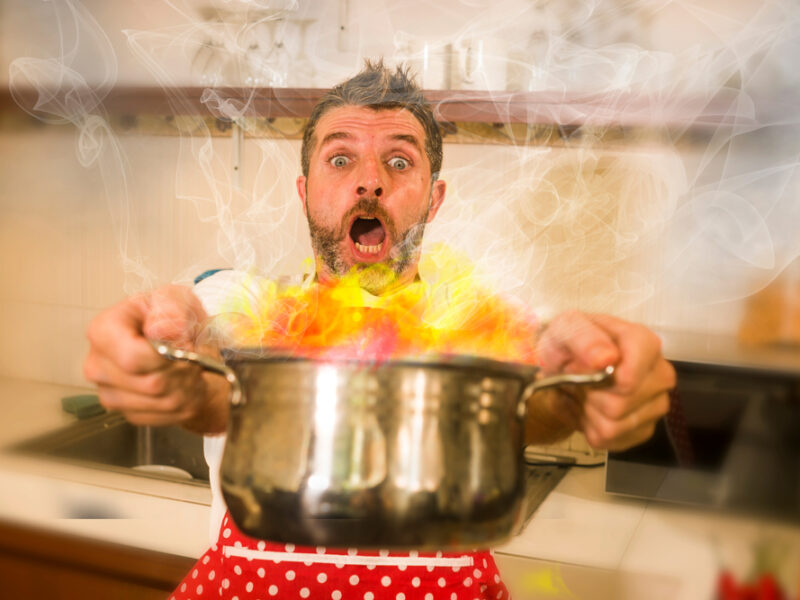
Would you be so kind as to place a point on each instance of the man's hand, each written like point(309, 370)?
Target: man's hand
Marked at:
point(134, 379)
point(613, 418)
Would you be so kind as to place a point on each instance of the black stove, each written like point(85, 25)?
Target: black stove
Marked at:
point(731, 441)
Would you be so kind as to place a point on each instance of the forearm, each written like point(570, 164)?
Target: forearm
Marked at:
point(543, 425)
point(212, 414)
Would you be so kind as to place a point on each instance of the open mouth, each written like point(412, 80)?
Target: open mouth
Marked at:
point(368, 235)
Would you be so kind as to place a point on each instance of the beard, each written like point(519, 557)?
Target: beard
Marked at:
point(375, 278)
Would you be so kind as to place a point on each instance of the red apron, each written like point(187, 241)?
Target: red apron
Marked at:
point(238, 567)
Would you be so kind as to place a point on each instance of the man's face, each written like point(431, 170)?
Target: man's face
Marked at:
point(368, 195)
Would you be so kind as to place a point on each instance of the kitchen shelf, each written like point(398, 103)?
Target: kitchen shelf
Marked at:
point(466, 116)
point(535, 108)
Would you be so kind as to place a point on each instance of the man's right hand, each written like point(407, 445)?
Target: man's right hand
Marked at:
point(134, 379)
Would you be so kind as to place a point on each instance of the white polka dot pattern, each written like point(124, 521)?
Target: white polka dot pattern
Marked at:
point(241, 568)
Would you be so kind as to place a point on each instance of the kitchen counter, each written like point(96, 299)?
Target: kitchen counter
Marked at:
point(580, 537)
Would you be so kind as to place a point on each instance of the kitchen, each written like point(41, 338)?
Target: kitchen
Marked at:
point(164, 185)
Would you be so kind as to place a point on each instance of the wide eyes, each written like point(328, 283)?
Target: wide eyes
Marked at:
point(398, 163)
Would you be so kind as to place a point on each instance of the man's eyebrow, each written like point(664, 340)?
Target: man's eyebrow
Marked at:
point(411, 139)
point(335, 135)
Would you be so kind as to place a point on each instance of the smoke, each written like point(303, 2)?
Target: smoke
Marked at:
point(55, 90)
point(669, 188)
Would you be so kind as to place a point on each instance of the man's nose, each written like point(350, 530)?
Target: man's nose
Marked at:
point(371, 179)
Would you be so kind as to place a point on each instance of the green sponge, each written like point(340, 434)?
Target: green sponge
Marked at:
point(82, 406)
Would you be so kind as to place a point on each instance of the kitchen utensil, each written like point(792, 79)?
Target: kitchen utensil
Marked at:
point(422, 453)
point(479, 64)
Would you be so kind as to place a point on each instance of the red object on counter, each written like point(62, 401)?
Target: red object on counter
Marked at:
point(766, 588)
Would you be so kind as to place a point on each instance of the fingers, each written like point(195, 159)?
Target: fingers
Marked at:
point(115, 399)
point(624, 398)
point(573, 342)
point(636, 426)
point(639, 353)
point(174, 314)
point(116, 335)
point(155, 384)
point(624, 414)
point(131, 376)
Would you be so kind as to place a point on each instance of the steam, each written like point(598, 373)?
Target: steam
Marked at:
point(690, 205)
point(62, 94)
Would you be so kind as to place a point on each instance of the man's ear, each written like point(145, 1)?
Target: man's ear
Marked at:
point(438, 190)
point(301, 191)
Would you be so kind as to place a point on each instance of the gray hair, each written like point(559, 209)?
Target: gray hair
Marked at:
point(378, 88)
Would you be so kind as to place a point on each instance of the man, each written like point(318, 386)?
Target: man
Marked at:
point(371, 155)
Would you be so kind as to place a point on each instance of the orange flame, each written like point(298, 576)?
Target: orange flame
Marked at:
point(447, 313)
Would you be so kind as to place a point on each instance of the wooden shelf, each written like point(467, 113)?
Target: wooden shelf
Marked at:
point(533, 108)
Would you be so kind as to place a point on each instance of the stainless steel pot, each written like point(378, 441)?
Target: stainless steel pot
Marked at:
point(403, 454)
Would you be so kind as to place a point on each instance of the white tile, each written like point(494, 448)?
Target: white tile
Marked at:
point(43, 342)
point(579, 524)
point(696, 544)
point(532, 579)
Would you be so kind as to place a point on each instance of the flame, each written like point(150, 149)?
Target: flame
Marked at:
point(447, 312)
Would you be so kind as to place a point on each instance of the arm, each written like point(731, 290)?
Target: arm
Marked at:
point(148, 389)
point(613, 418)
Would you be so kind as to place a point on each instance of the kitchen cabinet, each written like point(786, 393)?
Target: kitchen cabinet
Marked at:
point(35, 564)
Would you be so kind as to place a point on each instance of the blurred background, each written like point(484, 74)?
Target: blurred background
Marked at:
point(638, 158)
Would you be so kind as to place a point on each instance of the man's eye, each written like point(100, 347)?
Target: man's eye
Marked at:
point(339, 161)
point(398, 163)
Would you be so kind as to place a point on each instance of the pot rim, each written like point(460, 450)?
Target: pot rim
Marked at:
point(275, 354)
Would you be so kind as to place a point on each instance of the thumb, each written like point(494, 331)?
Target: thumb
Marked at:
point(574, 342)
point(174, 314)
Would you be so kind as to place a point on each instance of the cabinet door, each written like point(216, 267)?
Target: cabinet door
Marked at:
point(38, 564)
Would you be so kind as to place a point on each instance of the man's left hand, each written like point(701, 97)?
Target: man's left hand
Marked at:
point(620, 416)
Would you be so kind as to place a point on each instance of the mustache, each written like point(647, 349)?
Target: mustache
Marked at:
point(367, 206)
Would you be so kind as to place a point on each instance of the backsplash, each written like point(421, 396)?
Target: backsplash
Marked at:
point(676, 230)
point(558, 227)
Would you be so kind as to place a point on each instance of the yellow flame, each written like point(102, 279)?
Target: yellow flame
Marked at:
point(446, 311)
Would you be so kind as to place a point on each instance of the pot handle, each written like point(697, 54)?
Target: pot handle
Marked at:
point(598, 378)
point(206, 363)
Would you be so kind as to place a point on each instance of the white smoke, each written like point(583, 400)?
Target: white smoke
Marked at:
point(62, 94)
point(679, 187)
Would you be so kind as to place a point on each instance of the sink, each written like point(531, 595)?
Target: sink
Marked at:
point(109, 442)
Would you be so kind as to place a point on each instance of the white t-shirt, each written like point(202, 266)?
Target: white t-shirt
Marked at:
point(215, 293)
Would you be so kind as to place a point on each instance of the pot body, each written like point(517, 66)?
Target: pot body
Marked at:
point(397, 455)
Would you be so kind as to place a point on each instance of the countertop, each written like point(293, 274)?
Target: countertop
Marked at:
point(579, 537)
